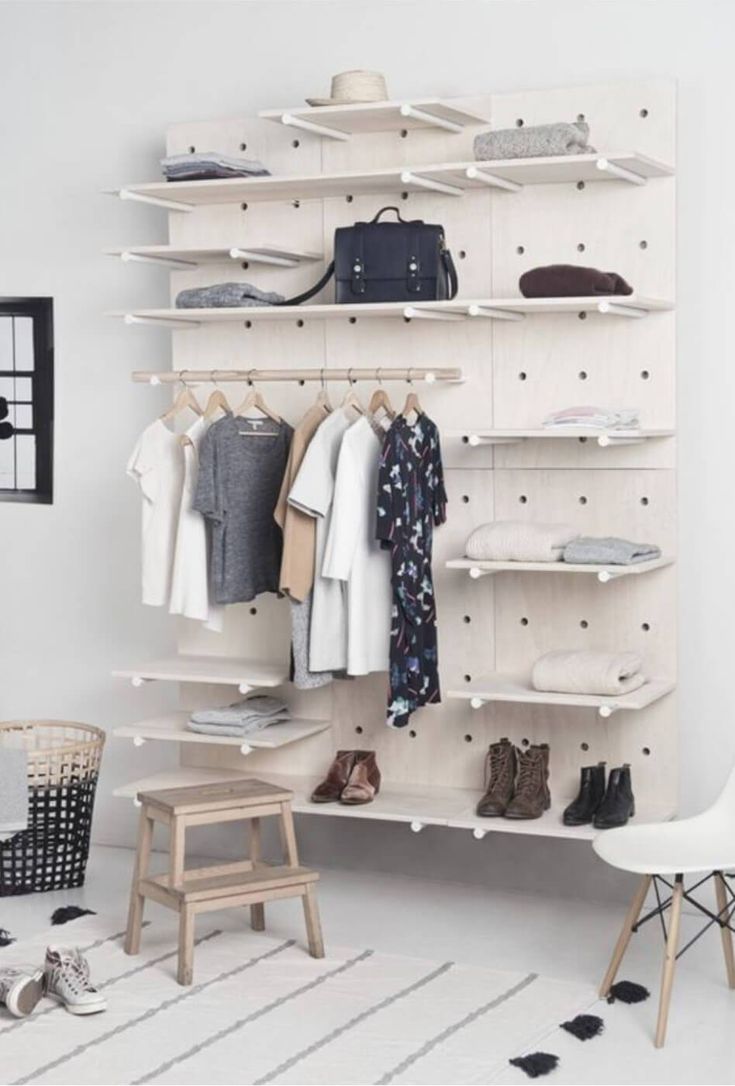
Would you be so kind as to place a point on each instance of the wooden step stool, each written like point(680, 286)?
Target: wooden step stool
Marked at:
point(245, 882)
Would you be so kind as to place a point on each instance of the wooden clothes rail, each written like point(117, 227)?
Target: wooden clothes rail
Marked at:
point(352, 374)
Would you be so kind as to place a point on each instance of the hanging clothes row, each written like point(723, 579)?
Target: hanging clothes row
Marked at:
point(337, 514)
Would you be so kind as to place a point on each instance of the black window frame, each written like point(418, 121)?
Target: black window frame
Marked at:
point(41, 310)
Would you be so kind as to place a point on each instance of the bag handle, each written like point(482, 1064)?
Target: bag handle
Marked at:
point(399, 217)
point(299, 298)
point(451, 270)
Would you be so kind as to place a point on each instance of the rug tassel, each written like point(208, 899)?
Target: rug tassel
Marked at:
point(538, 1063)
point(5, 937)
point(584, 1026)
point(627, 991)
point(65, 913)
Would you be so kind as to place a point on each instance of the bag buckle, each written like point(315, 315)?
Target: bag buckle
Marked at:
point(412, 275)
point(358, 276)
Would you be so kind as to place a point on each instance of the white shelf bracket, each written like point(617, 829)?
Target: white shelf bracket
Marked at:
point(620, 309)
point(138, 741)
point(430, 183)
point(477, 703)
point(493, 313)
point(605, 440)
point(155, 201)
point(160, 322)
point(491, 180)
point(139, 680)
point(620, 172)
point(291, 121)
point(606, 711)
point(476, 573)
point(245, 688)
point(416, 826)
point(607, 575)
point(408, 110)
point(411, 313)
point(128, 257)
point(263, 258)
point(246, 749)
point(478, 834)
point(136, 802)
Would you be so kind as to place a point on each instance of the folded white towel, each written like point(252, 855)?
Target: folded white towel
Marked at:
point(519, 541)
point(599, 418)
point(572, 672)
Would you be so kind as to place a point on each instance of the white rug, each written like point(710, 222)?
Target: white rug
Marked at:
point(262, 1011)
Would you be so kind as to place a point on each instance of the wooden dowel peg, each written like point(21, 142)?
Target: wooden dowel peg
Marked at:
point(408, 110)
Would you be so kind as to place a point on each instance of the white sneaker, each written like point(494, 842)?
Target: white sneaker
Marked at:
point(66, 973)
point(20, 990)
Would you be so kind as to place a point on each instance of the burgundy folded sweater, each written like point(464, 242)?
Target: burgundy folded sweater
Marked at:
point(570, 281)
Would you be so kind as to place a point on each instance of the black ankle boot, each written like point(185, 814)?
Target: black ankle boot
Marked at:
point(619, 803)
point(583, 809)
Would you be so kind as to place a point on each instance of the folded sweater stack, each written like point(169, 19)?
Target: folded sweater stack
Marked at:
point(608, 551)
point(596, 418)
point(242, 718)
point(209, 165)
point(519, 541)
point(536, 141)
point(226, 296)
point(606, 674)
point(571, 281)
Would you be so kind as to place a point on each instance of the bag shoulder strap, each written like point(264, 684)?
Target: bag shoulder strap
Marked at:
point(451, 270)
point(299, 298)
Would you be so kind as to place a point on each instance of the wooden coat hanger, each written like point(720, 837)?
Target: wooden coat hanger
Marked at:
point(185, 398)
point(380, 399)
point(412, 403)
point(255, 400)
point(217, 401)
point(351, 398)
point(322, 399)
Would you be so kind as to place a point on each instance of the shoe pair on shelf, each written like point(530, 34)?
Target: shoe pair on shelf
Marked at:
point(64, 977)
point(517, 781)
point(604, 806)
point(352, 778)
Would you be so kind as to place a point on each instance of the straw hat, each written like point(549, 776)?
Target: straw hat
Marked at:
point(356, 87)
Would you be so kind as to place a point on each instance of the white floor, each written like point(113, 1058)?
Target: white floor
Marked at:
point(555, 937)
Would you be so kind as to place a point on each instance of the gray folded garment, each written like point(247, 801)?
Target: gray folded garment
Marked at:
point(226, 296)
point(245, 717)
point(13, 792)
point(608, 551)
point(183, 166)
point(601, 673)
point(537, 141)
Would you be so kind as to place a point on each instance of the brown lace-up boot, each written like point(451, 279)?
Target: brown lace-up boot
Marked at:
point(338, 774)
point(364, 783)
point(500, 772)
point(531, 797)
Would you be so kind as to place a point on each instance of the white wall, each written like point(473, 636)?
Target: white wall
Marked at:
point(87, 91)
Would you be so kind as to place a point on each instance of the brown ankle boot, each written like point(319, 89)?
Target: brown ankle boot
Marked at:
point(500, 773)
point(364, 782)
point(531, 797)
point(338, 774)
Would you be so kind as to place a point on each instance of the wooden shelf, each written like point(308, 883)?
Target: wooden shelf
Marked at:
point(172, 728)
point(447, 178)
point(604, 573)
point(358, 119)
point(604, 438)
point(215, 670)
point(497, 687)
point(177, 258)
point(456, 310)
point(416, 806)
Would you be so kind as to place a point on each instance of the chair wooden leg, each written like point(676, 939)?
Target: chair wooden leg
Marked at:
point(185, 972)
point(140, 870)
point(313, 924)
point(257, 912)
point(726, 934)
point(626, 931)
point(667, 978)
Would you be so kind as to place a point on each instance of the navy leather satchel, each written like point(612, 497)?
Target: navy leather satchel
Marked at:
point(402, 261)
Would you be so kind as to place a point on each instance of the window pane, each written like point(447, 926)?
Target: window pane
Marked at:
point(23, 343)
point(23, 389)
point(6, 343)
point(7, 388)
point(7, 464)
point(26, 454)
point(23, 417)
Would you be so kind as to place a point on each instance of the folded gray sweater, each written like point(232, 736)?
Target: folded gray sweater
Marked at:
point(13, 792)
point(608, 551)
point(537, 141)
point(245, 717)
point(226, 296)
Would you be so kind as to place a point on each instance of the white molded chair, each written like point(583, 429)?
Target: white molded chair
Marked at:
point(703, 845)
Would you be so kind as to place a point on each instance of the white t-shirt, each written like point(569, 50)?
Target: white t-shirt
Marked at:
point(354, 555)
point(157, 465)
point(190, 579)
point(312, 491)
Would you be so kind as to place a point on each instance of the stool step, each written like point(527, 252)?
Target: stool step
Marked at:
point(263, 877)
point(222, 795)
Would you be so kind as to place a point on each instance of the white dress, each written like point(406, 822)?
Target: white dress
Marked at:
point(190, 594)
point(312, 491)
point(157, 465)
point(353, 554)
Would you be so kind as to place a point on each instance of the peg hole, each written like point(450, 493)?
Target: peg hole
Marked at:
point(462, 254)
point(584, 624)
point(580, 186)
point(582, 375)
point(643, 113)
point(584, 746)
point(525, 742)
point(353, 320)
point(404, 195)
point(468, 739)
point(465, 439)
point(645, 626)
point(465, 498)
point(296, 204)
point(295, 143)
point(581, 118)
point(467, 618)
point(349, 198)
point(522, 499)
point(358, 729)
point(644, 501)
point(467, 678)
point(643, 244)
point(404, 133)
point(519, 122)
point(192, 150)
point(581, 247)
point(520, 249)
point(646, 751)
point(582, 499)
point(524, 621)
point(245, 265)
point(299, 323)
point(582, 316)
point(582, 440)
point(243, 146)
point(243, 207)
point(522, 376)
point(248, 324)
point(412, 734)
point(302, 382)
point(645, 374)
point(253, 610)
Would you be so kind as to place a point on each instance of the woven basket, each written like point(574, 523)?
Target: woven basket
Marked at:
point(63, 766)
